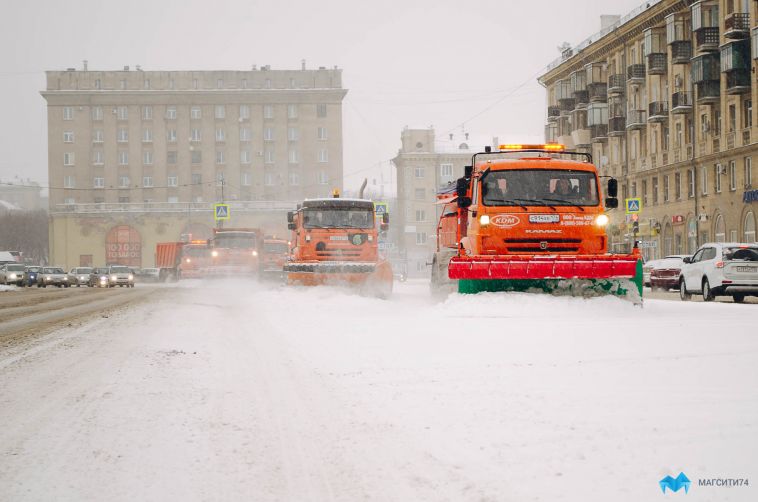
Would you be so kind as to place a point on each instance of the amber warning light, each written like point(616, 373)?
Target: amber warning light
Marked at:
point(549, 147)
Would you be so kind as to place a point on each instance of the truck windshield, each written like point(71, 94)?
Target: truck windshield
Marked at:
point(195, 252)
point(338, 218)
point(16, 268)
point(234, 241)
point(275, 247)
point(541, 187)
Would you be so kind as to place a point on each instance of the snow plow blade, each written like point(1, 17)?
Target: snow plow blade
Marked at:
point(373, 278)
point(584, 276)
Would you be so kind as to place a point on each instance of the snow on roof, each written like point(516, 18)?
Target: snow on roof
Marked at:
point(8, 206)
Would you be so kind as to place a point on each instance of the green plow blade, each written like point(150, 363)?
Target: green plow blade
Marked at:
point(627, 288)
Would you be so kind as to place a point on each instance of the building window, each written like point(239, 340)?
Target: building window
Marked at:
point(97, 157)
point(244, 112)
point(420, 194)
point(655, 189)
point(147, 113)
point(171, 157)
point(749, 228)
point(322, 177)
point(245, 134)
point(244, 83)
point(245, 157)
point(219, 112)
point(421, 238)
point(690, 183)
point(195, 135)
point(644, 193)
point(294, 158)
point(246, 179)
point(219, 83)
point(123, 158)
point(294, 178)
point(122, 135)
point(420, 215)
point(68, 159)
point(147, 181)
point(122, 112)
point(197, 179)
point(97, 135)
point(704, 179)
point(68, 113)
point(292, 134)
point(123, 181)
point(220, 135)
point(220, 157)
point(322, 134)
point(171, 135)
point(666, 188)
point(147, 157)
point(446, 171)
point(220, 178)
point(173, 180)
point(717, 178)
point(123, 84)
point(719, 229)
point(268, 111)
point(291, 111)
point(268, 179)
point(147, 135)
point(748, 172)
point(267, 83)
point(419, 172)
point(172, 199)
point(146, 83)
point(268, 134)
point(196, 156)
point(68, 136)
point(98, 182)
point(747, 113)
point(269, 157)
point(195, 83)
point(733, 175)
point(171, 113)
point(321, 111)
point(97, 113)
point(69, 200)
point(323, 155)
point(196, 113)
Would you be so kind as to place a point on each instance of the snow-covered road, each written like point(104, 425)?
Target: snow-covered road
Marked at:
point(233, 391)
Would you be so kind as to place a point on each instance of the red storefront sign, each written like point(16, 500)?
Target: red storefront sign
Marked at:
point(677, 219)
point(123, 246)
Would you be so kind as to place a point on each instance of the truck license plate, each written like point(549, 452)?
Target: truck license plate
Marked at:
point(751, 270)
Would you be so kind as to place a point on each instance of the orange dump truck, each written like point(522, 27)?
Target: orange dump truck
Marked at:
point(235, 252)
point(531, 218)
point(335, 241)
point(177, 260)
point(275, 252)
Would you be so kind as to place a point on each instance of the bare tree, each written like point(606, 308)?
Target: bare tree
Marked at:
point(25, 231)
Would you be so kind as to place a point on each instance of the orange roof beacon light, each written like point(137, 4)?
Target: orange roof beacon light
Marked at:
point(548, 147)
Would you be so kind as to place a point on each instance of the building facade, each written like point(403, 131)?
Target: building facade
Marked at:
point(21, 195)
point(424, 165)
point(152, 143)
point(663, 99)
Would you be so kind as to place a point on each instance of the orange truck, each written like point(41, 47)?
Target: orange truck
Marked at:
point(335, 241)
point(235, 252)
point(532, 218)
point(275, 252)
point(177, 260)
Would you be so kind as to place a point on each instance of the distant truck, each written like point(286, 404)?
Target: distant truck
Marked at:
point(235, 252)
point(182, 260)
point(10, 257)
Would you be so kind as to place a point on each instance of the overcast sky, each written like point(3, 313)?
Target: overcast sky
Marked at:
point(455, 65)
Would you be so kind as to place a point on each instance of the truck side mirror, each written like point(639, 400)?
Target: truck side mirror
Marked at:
point(461, 187)
point(611, 202)
point(613, 188)
point(468, 171)
point(290, 216)
point(464, 202)
point(291, 226)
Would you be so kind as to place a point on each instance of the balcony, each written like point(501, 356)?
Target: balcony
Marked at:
point(581, 138)
point(708, 91)
point(635, 73)
point(566, 105)
point(636, 119)
point(553, 112)
point(658, 111)
point(738, 82)
point(598, 93)
point(599, 133)
point(616, 84)
point(737, 25)
point(657, 63)
point(616, 126)
point(707, 39)
point(681, 52)
point(681, 102)
point(581, 98)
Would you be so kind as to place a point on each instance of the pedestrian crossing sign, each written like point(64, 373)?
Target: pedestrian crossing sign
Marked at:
point(380, 208)
point(633, 205)
point(221, 212)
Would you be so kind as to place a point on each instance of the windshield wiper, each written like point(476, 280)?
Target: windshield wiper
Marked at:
point(511, 201)
point(563, 201)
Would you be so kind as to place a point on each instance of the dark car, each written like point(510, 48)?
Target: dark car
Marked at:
point(32, 273)
point(98, 278)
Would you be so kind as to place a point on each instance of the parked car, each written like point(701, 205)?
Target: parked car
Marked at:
point(32, 271)
point(79, 276)
point(119, 275)
point(647, 267)
point(149, 275)
point(98, 278)
point(721, 269)
point(52, 276)
point(12, 273)
point(665, 273)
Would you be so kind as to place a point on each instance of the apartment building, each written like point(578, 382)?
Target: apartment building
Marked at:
point(663, 99)
point(152, 143)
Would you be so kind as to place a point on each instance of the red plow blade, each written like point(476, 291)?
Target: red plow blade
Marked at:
point(543, 267)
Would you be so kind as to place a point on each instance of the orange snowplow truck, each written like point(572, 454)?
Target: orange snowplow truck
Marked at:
point(335, 241)
point(177, 260)
point(531, 218)
point(235, 252)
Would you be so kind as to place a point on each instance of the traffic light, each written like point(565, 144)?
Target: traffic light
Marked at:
point(636, 227)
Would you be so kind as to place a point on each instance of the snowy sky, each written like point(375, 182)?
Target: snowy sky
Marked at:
point(453, 65)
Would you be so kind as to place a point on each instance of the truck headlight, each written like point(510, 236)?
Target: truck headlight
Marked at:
point(131, 277)
point(602, 220)
point(214, 253)
point(114, 277)
point(13, 276)
point(484, 219)
point(255, 253)
point(187, 260)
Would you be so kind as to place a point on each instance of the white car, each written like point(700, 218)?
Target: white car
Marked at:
point(79, 276)
point(721, 269)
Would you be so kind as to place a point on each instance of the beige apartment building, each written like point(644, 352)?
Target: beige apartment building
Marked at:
point(663, 99)
point(424, 165)
point(131, 151)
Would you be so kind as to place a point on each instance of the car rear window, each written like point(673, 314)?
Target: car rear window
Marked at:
point(669, 263)
point(741, 253)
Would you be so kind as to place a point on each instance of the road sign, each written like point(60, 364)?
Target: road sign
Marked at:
point(648, 244)
point(221, 212)
point(633, 205)
point(381, 208)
